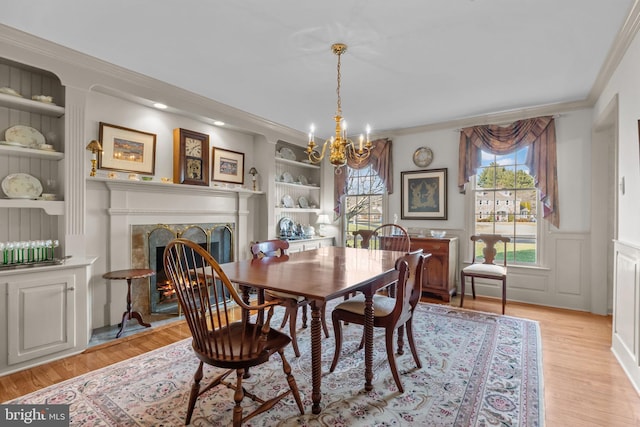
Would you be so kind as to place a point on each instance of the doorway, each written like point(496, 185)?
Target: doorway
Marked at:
point(604, 207)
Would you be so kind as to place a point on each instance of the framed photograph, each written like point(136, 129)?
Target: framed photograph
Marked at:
point(424, 194)
point(228, 166)
point(127, 150)
point(190, 157)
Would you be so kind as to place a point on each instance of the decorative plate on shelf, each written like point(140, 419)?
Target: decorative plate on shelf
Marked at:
point(287, 177)
point(15, 144)
point(303, 202)
point(287, 153)
point(303, 180)
point(21, 186)
point(27, 136)
point(287, 201)
point(10, 91)
point(285, 225)
point(423, 157)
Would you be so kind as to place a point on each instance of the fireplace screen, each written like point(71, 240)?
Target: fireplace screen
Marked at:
point(217, 239)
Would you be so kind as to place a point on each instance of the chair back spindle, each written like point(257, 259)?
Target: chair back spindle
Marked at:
point(205, 294)
point(390, 237)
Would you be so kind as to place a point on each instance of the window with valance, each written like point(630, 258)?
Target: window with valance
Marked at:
point(380, 161)
point(538, 134)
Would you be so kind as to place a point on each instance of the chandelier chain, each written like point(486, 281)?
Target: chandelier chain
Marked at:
point(339, 111)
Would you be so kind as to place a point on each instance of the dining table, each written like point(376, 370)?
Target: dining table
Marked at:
point(321, 275)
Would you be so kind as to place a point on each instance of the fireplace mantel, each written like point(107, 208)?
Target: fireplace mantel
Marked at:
point(161, 187)
point(130, 203)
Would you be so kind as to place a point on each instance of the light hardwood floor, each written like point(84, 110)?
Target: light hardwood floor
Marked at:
point(583, 383)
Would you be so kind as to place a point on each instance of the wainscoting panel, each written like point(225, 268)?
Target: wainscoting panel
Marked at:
point(569, 271)
point(626, 309)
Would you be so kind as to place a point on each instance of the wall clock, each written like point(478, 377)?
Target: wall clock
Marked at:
point(190, 157)
point(423, 157)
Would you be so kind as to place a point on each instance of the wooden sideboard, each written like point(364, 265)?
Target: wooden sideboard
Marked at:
point(442, 266)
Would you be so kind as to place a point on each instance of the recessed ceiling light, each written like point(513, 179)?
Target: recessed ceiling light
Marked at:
point(218, 123)
point(160, 105)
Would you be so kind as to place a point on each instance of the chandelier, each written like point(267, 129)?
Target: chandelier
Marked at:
point(340, 147)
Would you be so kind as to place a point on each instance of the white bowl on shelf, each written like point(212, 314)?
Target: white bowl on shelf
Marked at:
point(438, 234)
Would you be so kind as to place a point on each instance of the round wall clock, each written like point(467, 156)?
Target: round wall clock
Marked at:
point(423, 157)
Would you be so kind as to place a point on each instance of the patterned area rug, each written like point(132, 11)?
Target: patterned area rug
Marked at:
point(478, 369)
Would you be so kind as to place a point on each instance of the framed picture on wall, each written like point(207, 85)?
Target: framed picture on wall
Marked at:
point(127, 150)
point(424, 194)
point(190, 157)
point(228, 166)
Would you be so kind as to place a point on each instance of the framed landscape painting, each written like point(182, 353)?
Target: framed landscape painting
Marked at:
point(424, 194)
point(127, 150)
point(228, 166)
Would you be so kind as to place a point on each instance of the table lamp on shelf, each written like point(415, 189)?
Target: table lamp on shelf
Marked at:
point(95, 147)
point(323, 219)
point(253, 172)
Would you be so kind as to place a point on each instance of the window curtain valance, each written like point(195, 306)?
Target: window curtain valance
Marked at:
point(380, 161)
point(539, 133)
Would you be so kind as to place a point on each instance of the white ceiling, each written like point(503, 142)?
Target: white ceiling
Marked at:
point(409, 63)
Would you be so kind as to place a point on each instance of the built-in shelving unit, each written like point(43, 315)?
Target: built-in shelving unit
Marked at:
point(300, 181)
point(26, 219)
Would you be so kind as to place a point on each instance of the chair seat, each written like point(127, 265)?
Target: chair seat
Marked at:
point(284, 295)
point(486, 269)
point(382, 305)
point(239, 354)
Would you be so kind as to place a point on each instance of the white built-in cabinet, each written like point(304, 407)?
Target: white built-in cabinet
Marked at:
point(46, 314)
point(40, 316)
point(45, 308)
point(310, 244)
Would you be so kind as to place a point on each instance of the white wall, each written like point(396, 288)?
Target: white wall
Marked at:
point(106, 299)
point(117, 111)
point(559, 280)
point(625, 83)
point(623, 92)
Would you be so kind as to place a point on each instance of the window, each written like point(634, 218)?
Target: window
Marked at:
point(364, 202)
point(506, 202)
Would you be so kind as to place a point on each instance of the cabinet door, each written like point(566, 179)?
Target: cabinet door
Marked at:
point(40, 317)
point(436, 273)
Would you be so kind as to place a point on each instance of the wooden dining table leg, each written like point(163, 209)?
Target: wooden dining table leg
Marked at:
point(316, 355)
point(245, 298)
point(368, 341)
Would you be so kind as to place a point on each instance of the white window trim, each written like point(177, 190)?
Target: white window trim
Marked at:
point(542, 228)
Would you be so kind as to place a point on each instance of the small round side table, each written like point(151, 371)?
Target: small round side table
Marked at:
point(128, 275)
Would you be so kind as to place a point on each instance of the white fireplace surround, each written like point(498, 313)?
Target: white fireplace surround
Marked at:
point(131, 203)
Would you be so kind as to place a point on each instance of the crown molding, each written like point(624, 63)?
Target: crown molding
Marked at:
point(501, 117)
point(620, 45)
point(80, 70)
